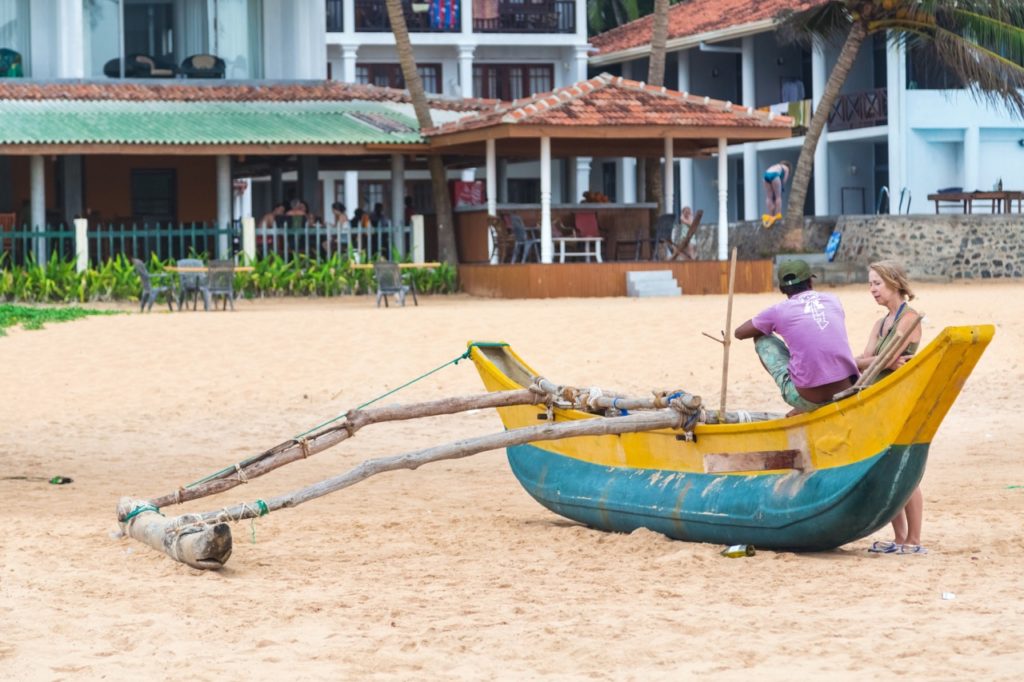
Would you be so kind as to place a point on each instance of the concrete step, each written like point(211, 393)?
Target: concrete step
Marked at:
point(649, 275)
point(645, 283)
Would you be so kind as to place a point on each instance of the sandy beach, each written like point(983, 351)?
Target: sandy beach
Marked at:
point(453, 571)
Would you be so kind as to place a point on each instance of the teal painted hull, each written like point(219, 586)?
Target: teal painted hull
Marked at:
point(814, 511)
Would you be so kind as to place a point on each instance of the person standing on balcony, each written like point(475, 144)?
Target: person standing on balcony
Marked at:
point(775, 178)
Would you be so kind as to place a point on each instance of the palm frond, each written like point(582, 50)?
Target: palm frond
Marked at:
point(829, 22)
point(987, 74)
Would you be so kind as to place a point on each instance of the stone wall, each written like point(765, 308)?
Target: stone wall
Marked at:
point(932, 247)
point(938, 246)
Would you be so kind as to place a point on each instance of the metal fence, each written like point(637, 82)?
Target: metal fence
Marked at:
point(102, 242)
point(362, 244)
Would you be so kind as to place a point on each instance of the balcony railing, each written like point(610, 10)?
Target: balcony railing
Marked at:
point(335, 13)
point(440, 16)
point(524, 16)
point(860, 110)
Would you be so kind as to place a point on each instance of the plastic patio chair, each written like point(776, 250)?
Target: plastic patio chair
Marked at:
point(662, 240)
point(389, 283)
point(153, 284)
point(190, 283)
point(681, 249)
point(220, 281)
point(524, 245)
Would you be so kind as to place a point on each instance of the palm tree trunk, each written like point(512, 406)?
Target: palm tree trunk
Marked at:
point(438, 178)
point(656, 76)
point(804, 165)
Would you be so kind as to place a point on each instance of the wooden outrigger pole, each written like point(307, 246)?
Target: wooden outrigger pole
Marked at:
point(203, 540)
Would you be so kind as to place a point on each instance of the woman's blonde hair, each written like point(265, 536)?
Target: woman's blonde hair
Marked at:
point(893, 274)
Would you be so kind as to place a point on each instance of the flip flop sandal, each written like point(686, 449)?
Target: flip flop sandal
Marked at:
point(885, 547)
point(913, 549)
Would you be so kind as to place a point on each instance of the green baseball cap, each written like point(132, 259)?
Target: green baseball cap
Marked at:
point(794, 272)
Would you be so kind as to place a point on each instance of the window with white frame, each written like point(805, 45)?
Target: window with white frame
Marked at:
point(167, 32)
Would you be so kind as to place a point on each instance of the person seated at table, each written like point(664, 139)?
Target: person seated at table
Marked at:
point(339, 214)
point(685, 221)
point(270, 219)
point(357, 218)
point(377, 217)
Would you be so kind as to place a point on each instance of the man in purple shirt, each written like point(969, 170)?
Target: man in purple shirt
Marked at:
point(812, 361)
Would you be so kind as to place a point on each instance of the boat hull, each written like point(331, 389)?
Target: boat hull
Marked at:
point(810, 511)
point(814, 481)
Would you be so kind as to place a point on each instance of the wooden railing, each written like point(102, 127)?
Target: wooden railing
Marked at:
point(420, 17)
point(860, 110)
point(524, 16)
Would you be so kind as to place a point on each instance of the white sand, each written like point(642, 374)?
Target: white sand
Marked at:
point(453, 571)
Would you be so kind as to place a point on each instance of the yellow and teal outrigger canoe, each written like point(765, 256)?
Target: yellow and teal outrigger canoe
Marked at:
point(848, 466)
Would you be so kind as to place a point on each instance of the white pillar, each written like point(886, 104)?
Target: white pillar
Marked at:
point(546, 246)
point(70, 45)
point(972, 157)
point(749, 99)
point(37, 205)
point(669, 181)
point(326, 198)
point(351, 192)
point(418, 249)
point(466, 70)
point(686, 183)
point(466, 17)
point(581, 55)
point(627, 181)
point(348, 17)
point(348, 52)
point(751, 182)
point(723, 199)
point(685, 165)
point(398, 201)
point(81, 245)
point(224, 195)
point(896, 85)
point(492, 191)
point(582, 177)
point(819, 75)
point(249, 238)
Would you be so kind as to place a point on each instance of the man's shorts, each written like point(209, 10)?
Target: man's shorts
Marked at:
point(774, 356)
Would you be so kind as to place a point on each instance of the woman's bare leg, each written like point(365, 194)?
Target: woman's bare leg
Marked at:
point(777, 196)
point(914, 515)
point(899, 527)
point(769, 199)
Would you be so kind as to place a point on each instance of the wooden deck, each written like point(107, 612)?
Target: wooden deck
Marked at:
point(584, 280)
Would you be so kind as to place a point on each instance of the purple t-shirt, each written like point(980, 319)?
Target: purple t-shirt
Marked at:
point(813, 325)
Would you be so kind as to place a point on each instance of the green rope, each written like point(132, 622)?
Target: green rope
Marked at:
point(264, 510)
point(454, 361)
point(145, 507)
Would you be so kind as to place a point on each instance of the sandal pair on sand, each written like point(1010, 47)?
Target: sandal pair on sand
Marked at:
point(884, 547)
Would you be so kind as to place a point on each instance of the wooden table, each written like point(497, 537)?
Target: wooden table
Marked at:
point(204, 268)
point(1002, 202)
point(591, 247)
point(401, 266)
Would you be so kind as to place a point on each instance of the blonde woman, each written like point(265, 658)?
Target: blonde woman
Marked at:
point(887, 282)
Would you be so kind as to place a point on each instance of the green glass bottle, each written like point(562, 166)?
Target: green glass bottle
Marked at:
point(737, 551)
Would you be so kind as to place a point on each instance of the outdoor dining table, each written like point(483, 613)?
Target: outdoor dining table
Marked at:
point(204, 268)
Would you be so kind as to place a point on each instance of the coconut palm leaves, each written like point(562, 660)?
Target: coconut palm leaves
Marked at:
point(980, 41)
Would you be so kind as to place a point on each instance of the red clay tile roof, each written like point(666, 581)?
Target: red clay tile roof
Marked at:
point(608, 100)
point(178, 91)
point(693, 18)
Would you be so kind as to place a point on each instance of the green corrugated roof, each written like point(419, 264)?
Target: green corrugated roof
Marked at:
point(201, 123)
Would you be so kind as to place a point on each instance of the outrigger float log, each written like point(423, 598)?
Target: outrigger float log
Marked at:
point(810, 482)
